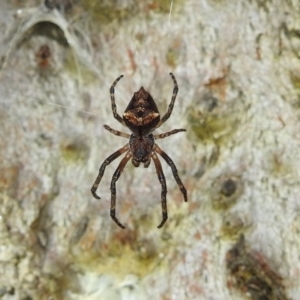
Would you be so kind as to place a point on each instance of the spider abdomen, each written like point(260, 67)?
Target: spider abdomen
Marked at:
point(141, 115)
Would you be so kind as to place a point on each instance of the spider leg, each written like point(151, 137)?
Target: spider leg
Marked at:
point(116, 132)
point(170, 162)
point(166, 134)
point(113, 102)
point(162, 180)
point(171, 105)
point(113, 187)
point(103, 166)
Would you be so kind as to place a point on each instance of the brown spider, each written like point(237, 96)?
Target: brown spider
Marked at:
point(142, 118)
point(43, 56)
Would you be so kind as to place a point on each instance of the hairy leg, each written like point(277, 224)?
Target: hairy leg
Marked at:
point(113, 102)
point(103, 166)
point(113, 187)
point(171, 105)
point(166, 134)
point(116, 132)
point(162, 180)
point(170, 162)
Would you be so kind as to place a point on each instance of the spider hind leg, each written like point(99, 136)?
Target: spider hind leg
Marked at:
point(171, 105)
point(113, 101)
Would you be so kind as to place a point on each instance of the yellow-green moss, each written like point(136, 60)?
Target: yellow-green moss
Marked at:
point(278, 165)
point(211, 127)
point(295, 79)
point(74, 149)
point(232, 226)
point(124, 253)
point(226, 191)
point(78, 70)
point(105, 13)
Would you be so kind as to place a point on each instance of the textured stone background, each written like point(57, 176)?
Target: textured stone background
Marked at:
point(238, 70)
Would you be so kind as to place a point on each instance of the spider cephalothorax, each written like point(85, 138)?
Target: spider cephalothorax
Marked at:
point(142, 118)
point(141, 148)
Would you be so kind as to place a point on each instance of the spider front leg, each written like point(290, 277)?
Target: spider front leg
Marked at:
point(171, 105)
point(113, 102)
point(170, 162)
point(103, 166)
point(162, 180)
point(113, 187)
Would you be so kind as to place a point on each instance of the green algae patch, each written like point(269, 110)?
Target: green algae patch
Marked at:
point(77, 69)
point(105, 12)
point(74, 149)
point(211, 127)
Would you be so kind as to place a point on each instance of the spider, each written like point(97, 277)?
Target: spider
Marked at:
point(141, 117)
point(43, 56)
